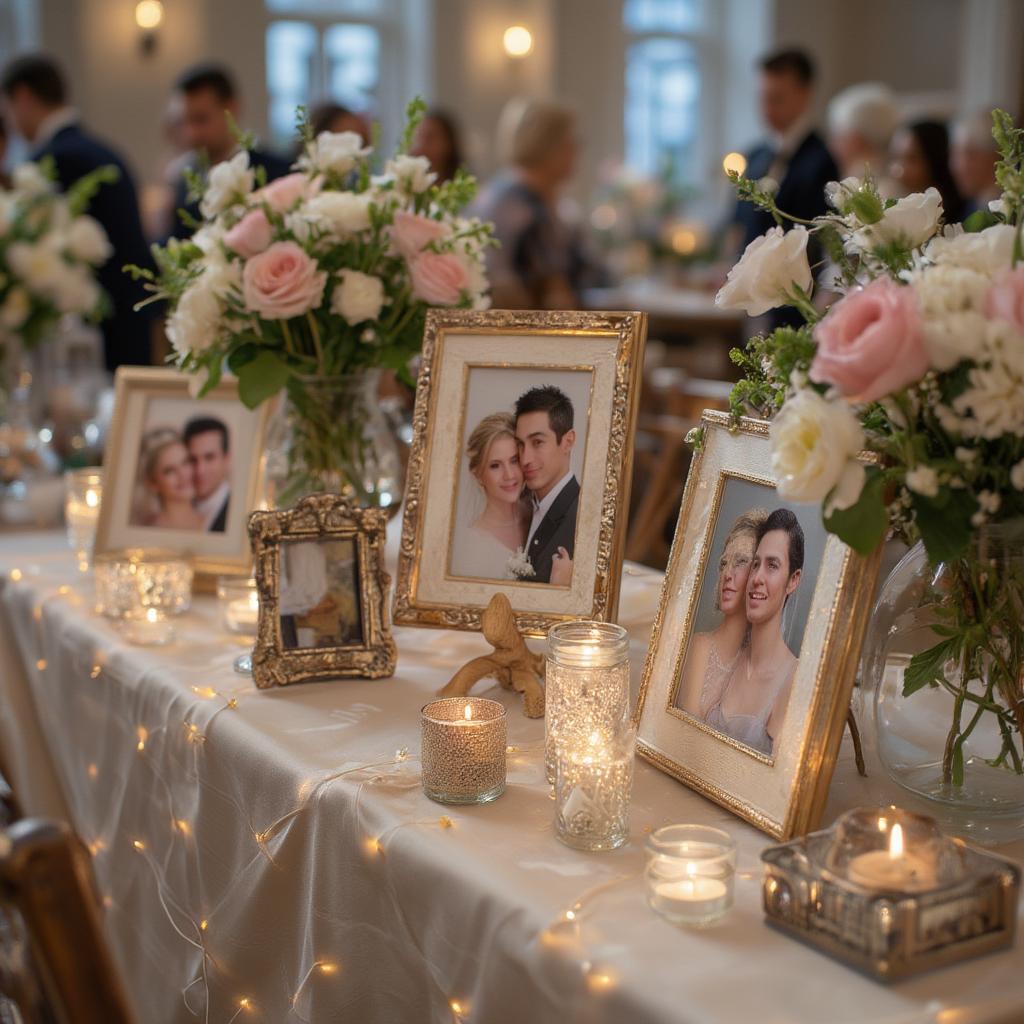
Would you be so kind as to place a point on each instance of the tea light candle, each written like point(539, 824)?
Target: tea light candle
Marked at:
point(690, 873)
point(239, 604)
point(463, 750)
point(130, 582)
point(894, 868)
point(83, 489)
point(149, 628)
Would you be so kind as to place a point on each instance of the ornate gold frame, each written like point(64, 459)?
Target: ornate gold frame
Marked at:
point(166, 382)
point(630, 330)
point(326, 516)
point(812, 754)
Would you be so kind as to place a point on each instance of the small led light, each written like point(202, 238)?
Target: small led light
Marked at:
point(203, 925)
point(92, 771)
point(326, 967)
point(41, 664)
point(94, 672)
point(139, 845)
point(183, 827)
point(149, 14)
point(16, 575)
point(518, 41)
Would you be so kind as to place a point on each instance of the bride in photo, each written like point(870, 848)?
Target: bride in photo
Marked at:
point(498, 511)
point(166, 483)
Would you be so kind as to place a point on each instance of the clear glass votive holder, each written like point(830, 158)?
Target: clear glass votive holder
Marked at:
point(464, 740)
point(239, 605)
point(148, 627)
point(593, 785)
point(144, 590)
point(586, 684)
point(83, 490)
point(690, 873)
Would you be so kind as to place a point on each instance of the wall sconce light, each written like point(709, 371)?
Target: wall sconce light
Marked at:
point(149, 14)
point(518, 41)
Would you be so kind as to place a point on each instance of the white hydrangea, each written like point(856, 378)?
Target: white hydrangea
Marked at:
point(991, 404)
point(195, 322)
point(37, 265)
point(29, 180)
point(952, 300)
point(339, 214)
point(228, 181)
point(986, 252)
point(923, 480)
point(358, 296)
point(334, 151)
point(411, 174)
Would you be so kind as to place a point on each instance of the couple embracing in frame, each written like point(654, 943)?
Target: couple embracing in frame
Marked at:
point(523, 523)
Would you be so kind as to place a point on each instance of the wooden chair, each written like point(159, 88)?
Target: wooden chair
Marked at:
point(54, 962)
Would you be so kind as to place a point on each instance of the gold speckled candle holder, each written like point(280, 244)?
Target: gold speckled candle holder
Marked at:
point(463, 752)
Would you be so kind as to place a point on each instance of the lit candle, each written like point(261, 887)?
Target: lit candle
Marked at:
point(894, 868)
point(463, 752)
point(689, 873)
point(83, 489)
point(239, 604)
point(149, 628)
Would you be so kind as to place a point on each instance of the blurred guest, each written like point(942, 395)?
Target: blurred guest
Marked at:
point(5, 179)
point(920, 160)
point(861, 120)
point(211, 106)
point(37, 101)
point(541, 263)
point(437, 138)
point(973, 157)
point(793, 156)
point(333, 117)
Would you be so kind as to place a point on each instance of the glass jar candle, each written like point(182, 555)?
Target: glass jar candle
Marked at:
point(689, 874)
point(463, 750)
point(144, 590)
point(593, 784)
point(239, 605)
point(586, 684)
point(83, 489)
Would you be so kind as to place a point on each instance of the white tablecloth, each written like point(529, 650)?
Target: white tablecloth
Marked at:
point(360, 904)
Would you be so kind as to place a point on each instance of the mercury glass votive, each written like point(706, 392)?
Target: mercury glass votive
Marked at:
point(142, 587)
point(83, 489)
point(689, 873)
point(239, 605)
point(593, 784)
point(463, 750)
point(586, 684)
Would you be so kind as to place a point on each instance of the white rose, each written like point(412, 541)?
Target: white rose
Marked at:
point(227, 182)
point(986, 252)
point(27, 178)
point(911, 221)
point(814, 447)
point(86, 240)
point(75, 290)
point(16, 308)
point(767, 272)
point(997, 206)
point(195, 322)
point(334, 151)
point(923, 480)
point(412, 174)
point(37, 265)
point(340, 213)
point(358, 297)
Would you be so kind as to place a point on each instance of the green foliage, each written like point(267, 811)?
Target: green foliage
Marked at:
point(414, 113)
point(261, 377)
point(82, 192)
point(928, 667)
point(863, 525)
point(944, 523)
point(768, 364)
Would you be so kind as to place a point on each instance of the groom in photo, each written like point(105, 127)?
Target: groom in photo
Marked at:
point(206, 439)
point(545, 435)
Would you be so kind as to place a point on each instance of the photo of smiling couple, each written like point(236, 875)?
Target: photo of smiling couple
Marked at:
point(517, 520)
point(737, 676)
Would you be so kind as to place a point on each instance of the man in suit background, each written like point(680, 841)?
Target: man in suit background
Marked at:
point(36, 98)
point(545, 435)
point(210, 103)
point(206, 439)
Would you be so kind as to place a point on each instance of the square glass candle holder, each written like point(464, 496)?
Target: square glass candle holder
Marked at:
point(239, 605)
point(593, 785)
point(83, 490)
point(586, 685)
point(885, 891)
point(464, 740)
point(690, 873)
point(144, 590)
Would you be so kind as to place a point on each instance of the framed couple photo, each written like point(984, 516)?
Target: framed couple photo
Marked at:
point(181, 473)
point(748, 676)
point(519, 474)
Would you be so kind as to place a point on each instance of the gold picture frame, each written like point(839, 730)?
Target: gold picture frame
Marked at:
point(322, 519)
point(157, 400)
point(776, 780)
point(473, 358)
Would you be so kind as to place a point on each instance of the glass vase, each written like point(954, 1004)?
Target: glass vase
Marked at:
point(943, 663)
point(331, 433)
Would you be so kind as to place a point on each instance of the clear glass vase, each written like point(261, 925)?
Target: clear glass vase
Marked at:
point(329, 433)
point(943, 663)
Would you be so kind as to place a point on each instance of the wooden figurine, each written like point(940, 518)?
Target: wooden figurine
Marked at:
point(513, 664)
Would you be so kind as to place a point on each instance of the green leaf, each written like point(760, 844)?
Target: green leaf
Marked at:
point(944, 523)
point(240, 356)
point(262, 377)
point(866, 206)
point(979, 220)
point(863, 524)
point(213, 375)
point(926, 668)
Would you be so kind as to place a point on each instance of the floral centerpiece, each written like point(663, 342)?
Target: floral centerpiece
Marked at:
point(919, 360)
point(315, 282)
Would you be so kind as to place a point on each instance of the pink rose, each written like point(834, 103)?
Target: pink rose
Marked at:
point(251, 235)
point(871, 343)
point(411, 232)
point(1005, 299)
point(282, 282)
point(281, 195)
point(438, 278)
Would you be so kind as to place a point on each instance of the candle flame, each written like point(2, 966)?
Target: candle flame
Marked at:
point(883, 824)
point(468, 712)
point(691, 869)
point(152, 615)
point(896, 841)
point(92, 499)
point(254, 600)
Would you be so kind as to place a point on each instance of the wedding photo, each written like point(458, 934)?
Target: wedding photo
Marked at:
point(758, 581)
point(514, 512)
point(319, 594)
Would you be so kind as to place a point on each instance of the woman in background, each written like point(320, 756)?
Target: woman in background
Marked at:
point(437, 138)
point(168, 483)
point(920, 160)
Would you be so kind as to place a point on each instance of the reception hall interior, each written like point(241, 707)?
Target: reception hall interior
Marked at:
point(511, 509)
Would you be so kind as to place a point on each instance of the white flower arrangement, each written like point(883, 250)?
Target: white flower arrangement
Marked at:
point(518, 567)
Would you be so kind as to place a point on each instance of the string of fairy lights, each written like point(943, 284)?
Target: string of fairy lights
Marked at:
point(389, 772)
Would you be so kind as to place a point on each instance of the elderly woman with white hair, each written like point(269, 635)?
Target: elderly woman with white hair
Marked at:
point(541, 263)
point(861, 122)
point(972, 159)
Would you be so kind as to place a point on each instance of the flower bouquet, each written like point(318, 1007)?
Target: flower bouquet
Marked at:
point(920, 361)
point(313, 284)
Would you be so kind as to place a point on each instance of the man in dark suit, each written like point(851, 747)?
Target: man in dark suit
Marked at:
point(545, 435)
point(37, 101)
point(210, 103)
point(206, 439)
